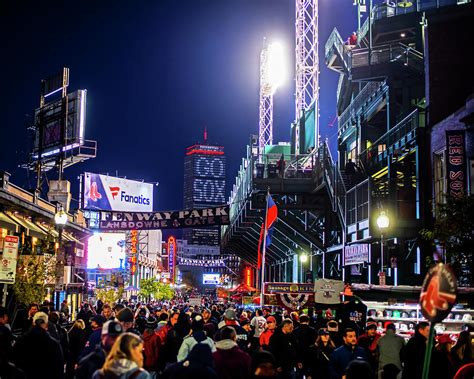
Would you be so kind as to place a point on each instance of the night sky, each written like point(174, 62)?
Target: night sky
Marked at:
point(157, 73)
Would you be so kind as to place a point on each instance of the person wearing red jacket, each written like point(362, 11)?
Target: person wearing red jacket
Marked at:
point(152, 345)
point(368, 341)
point(230, 361)
point(268, 332)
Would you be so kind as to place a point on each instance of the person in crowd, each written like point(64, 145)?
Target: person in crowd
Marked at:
point(197, 336)
point(343, 355)
point(175, 337)
point(283, 347)
point(305, 336)
point(63, 339)
point(465, 372)
point(270, 328)
point(231, 362)
point(85, 313)
point(389, 371)
point(77, 341)
point(230, 319)
point(8, 369)
point(32, 309)
point(86, 367)
point(258, 324)
point(141, 319)
point(125, 317)
point(414, 352)
point(263, 365)
point(152, 345)
point(358, 369)
point(318, 356)
point(210, 323)
point(389, 348)
point(94, 338)
point(125, 360)
point(245, 324)
point(462, 351)
point(107, 312)
point(36, 353)
point(333, 329)
point(64, 309)
point(442, 362)
point(368, 341)
point(5, 331)
point(198, 364)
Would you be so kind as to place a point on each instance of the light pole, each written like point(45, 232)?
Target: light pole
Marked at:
point(60, 219)
point(383, 223)
point(303, 260)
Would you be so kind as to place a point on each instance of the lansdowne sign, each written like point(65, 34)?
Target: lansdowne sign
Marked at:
point(214, 216)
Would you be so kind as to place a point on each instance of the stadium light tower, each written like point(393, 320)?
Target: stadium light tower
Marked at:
point(272, 75)
point(307, 65)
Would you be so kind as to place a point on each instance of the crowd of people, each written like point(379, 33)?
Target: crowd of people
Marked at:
point(175, 340)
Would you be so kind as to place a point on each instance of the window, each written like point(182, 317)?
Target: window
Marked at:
point(439, 165)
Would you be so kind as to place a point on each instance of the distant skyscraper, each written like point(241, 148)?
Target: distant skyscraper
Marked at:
point(204, 186)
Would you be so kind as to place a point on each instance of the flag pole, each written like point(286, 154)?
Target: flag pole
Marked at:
point(262, 272)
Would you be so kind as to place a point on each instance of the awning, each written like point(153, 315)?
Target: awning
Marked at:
point(32, 229)
point(48, 230)
point(7, 223)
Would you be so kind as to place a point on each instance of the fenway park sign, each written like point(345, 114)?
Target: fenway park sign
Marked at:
point(164, 220)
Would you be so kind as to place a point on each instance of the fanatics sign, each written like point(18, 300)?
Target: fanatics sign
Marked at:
point(164, 220)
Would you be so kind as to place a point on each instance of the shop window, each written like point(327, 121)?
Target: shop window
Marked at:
point(439, 177)
point(381, 148)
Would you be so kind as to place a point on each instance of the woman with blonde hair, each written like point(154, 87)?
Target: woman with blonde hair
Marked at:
point(125, 360)
point(77, 339)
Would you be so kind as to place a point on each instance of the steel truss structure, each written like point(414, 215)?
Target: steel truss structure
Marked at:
point(265, 127)
point(307, 65)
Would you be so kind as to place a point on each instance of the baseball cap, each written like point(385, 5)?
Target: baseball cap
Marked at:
point(112, 328)
point(333, 326)
point(229, 314)
point(244, 322)
point(125, 315)
point(197, 323)
point(445, 338)
point(371, 325)
point(271, 319)
point(40, 318)
point(323, 332)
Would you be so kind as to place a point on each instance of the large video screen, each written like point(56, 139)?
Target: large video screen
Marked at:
point(210, 278)
point(106, 250)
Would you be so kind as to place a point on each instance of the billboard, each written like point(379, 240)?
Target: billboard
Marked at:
point(102, 192)
point(106, 250)
point(210, 278)
point(50, 119)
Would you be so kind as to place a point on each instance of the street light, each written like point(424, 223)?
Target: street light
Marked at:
point(60, 219)
point(303, 260)
point(383, 223)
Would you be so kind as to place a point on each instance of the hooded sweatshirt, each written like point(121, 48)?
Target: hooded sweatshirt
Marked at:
point(230, 361)
point(122, 369)
point(198, 337)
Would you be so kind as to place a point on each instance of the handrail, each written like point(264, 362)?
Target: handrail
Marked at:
point(336, 40)
point(384, 53)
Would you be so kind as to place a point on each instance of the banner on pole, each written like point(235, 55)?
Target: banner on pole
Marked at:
point(9, 259)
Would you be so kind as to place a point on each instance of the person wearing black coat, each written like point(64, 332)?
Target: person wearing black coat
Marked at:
point(198, 364)
point(318, 356)
point(414, 352)
point(37, 354)
point(283, 347)
point(77, 340)
point(305, 337)
point(175, 337)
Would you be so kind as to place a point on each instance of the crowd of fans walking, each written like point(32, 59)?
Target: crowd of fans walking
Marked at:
point(175, 340)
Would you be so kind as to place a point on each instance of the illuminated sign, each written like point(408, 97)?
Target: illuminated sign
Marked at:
point(248, 279)
point(172, 257)
point(210, 279)
point(133, 252)
point(105, 250)
point(205, 150)
point(356, 254)
point(109, 193)
point(456, 170)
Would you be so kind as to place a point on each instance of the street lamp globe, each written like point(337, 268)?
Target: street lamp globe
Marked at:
point(304, 258)
point(383, 221)
point(60, 218)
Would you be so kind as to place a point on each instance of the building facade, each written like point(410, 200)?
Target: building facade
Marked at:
point(204, 186)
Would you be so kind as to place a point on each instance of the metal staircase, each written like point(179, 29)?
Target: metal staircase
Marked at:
point(337, 53)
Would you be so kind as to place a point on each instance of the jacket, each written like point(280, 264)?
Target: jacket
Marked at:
point(414, 357)
point(122, 369)
point(283, 347)
point(389, 348)
point(230, 361)
point(341, 357)
point(92, 342)
point(305, 337)
point(190, 341)
point(39, 355)
point(90, 363)
point(265, 338)
point(318, 363)
point(151, 350)
point(198, 364)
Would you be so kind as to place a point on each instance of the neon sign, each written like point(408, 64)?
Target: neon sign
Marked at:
point(248, 276)
point(133, 251)
point(172, 257)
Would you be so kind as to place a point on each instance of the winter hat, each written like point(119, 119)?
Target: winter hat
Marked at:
point(244, 322)
point(99, 319)
point(40, 318)
point(197, 323)
point(371, 325)
point(125, 315)
point(112, 328)
point(323, 332)
point(151, 323)
point(444, 338)
point(229, 314)
point(333, 326)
